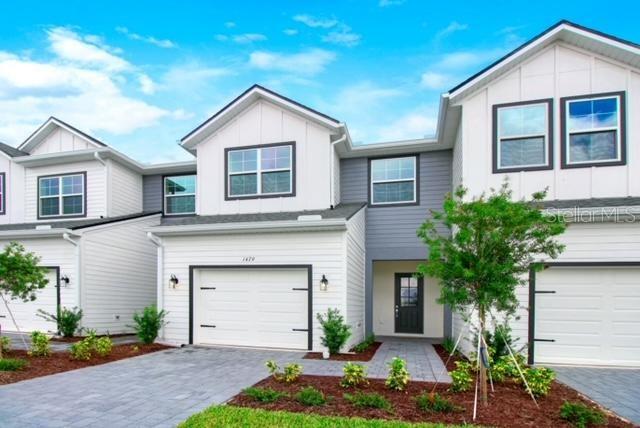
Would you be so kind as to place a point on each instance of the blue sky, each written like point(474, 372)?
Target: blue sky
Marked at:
point(140, 75)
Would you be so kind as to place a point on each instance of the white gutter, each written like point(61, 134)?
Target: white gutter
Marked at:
point(251, 227)
point(76, 244)
point(33, 233)
point(96, 155)
point(160, 275)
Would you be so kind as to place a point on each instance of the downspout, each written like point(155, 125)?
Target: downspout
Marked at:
point(331, 165)
point(159, 273)
point(76, 244)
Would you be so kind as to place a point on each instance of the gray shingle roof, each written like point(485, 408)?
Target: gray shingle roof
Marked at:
point(12, 151)
point(74, 224)
point(592, 203)
point(340, 211)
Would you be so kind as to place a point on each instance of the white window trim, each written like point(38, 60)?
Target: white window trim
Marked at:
point(259, 171)
point(617, 129)
point(60, 196)
point(395, 180)
point(545, 137)
point(165, 195)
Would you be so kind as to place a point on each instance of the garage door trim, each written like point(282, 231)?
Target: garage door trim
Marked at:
point(533, 292)
point(309, 268)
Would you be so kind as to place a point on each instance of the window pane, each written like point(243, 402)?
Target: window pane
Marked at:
point(72, 184)
point(523, 120)
point(178, 185)
point(72, 205)
point(401, 191)
point(596, 146)
point(181, 205)
point(408, 292)
point(393, 169)
point(49, 206)
point(276, 182)
point(593, 114)
point(522, 152)
point(243, 160)
point(246, 184)
point(49, 186)
point(276, 157)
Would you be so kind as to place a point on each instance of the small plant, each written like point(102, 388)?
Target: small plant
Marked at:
point(461, 377)
point(103, 346)
point(336, 331)
point(539, 380)
point(39, 345)
point(398, 375)
point(11, 364)
point(372, 400)
point(365, 344)
point(67, 320)
point(290, 374)
point(81, 350)
point(310, 396)
point(274, 369)
point(148, 324)
point(436, 403)
point(449, 344)
point(135, 349)
point(5, 344)
point(264, 395)
point(354, 375)
point(581, 416)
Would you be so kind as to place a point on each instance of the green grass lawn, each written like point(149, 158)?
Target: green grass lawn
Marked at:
point(229, 416)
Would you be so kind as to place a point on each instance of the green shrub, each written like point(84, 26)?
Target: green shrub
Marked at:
point(264, 395)
point(5, 343)
point(291, 373)
point(504, 368)
point(539, 380)
point(500, 340)
point(448, 344)
point(372, 400)
point(354, 375)
point(39, 345)
point(81, 350)
point(310, 396)
point(11, 364)
point(436, 403)
point(398, 375)
point(461, 377)
point(148, 324)
point(274, 369)
point(365, 344)
point(581, 416)
point(67, 320)
point(336, 331)
point(103, 346)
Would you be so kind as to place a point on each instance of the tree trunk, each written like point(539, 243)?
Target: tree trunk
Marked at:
point(483, 369)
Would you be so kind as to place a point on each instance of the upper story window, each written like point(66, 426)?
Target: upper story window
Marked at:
point(260, 171)
point(593, 131)
point(2, 194)
point(393, 181)
point(62, 196)
point(180, 195)
point(523, 136)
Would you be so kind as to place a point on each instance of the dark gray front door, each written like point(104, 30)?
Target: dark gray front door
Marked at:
point(408, 303)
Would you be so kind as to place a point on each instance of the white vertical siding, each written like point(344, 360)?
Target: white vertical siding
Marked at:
point(96, 187)
point(125, 189)
point(355, 264)
point(323, 250)
point(62, 140)
point(457, 167)
point(119, 274)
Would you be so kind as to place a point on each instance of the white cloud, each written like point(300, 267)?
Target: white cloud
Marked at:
point(229, 24)
point(387, 3)
point(453, 27)
point(147, 85)
point(70, 46)
point(435, 80)
point(314, 22)
point(309, 62)
point(419, 123)
point(249, 38)
point(343, 36)
point(290, 31)
point(161, 43)
point(221, 37)
point(465, 59)
point(192, 74)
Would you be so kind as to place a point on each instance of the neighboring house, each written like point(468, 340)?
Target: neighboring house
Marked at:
point(78, 205)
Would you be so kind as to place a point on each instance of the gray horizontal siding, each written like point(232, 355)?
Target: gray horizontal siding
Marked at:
point(391, 231)
point(152, 193)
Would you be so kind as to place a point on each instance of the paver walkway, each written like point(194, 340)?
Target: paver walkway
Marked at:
point(613, 388)
point(164, 388)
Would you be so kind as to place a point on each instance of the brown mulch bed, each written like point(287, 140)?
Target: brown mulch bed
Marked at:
point(61, 361)
point(444, 356)
point(509, 405)
point(366, 355)
point(75, 339)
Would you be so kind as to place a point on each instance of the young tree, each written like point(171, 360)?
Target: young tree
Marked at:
point(494, 242)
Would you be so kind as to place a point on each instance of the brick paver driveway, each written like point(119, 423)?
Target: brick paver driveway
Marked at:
point(164, 388)
point(615, 389)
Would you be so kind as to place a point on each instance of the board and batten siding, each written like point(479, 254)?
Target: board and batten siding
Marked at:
point(356, 259)
point(125, 190)
point(561, 70)
point(325, 251)
point(62, 140)
point(96, 187)
point(119, 267)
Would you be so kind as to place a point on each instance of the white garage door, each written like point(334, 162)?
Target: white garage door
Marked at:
point(251, 307)
point(25, 313)
point(588, 315)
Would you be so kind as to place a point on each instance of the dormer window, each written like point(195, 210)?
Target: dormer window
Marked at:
point(260, 171)
point(3, 209)
point(593, 131)
point(523, 136)
point(62, 196)
point(180, 195)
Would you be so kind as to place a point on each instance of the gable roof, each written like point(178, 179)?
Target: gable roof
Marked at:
point(11, 151)
point(575, 34)
point(48, 127)
point(245, 99)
